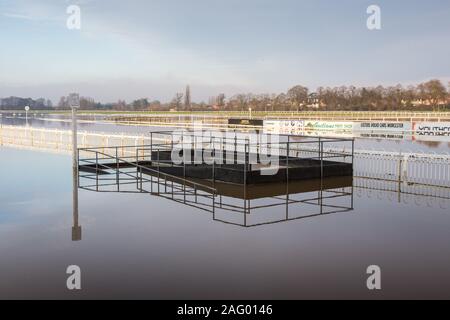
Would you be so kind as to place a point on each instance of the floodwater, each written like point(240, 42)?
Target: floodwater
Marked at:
point(134, 245)
point(397, 143)
point(141, 246)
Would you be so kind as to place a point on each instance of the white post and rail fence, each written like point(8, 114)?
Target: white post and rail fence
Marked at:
point(418, 168)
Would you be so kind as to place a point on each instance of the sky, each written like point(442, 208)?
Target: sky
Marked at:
point(135, 48)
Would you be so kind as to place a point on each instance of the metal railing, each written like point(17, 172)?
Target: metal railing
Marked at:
point(222, 116)
point(410, 167)
point(147, 164)
point(126, 172)
point(57, 140)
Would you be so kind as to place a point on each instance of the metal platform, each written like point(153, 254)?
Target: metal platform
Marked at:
point(240, 187)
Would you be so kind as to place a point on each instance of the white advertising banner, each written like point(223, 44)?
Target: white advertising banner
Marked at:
point(426, 131)
point(328, 125)
point(431, 131)
point(284, 126)
point(374, 126)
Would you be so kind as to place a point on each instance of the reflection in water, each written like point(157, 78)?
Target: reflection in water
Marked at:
point(261, 204)
point(176, 253)
point(403, 192)
point(76, 228)
point(242, 205)
point(430, 144)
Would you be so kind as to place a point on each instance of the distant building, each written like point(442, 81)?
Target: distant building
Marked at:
point(426, 102)
point(313, 100)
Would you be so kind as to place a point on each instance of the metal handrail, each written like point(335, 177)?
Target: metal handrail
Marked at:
point(149, 169)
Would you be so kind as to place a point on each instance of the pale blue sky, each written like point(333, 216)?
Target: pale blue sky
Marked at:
point(131, 49)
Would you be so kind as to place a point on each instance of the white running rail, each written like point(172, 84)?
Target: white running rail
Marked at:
point(409, 168)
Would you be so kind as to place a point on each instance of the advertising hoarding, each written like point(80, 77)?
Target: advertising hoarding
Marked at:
point(431, 131)
point(374, 126)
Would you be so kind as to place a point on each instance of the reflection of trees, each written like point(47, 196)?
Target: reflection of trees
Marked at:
point(431, 144)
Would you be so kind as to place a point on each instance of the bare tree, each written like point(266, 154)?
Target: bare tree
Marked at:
point(176, 101)
point(221, 100)
point(298, 96)
point(434, 92)
point(187, 99)
point(63, 103)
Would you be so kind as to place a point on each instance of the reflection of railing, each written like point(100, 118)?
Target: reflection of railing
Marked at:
point(405, 193)
point(327, 198)
point(153, 165)
point(127, 172)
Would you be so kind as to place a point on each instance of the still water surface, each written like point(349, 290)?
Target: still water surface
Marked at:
point(142, 246)
point(96, 123)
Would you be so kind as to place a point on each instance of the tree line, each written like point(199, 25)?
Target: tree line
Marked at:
point(430, 95)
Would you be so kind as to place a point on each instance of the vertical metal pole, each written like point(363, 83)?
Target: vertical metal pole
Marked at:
point(287, 178)
point(214, 170)
point(400, 165)
point(235, 147)
point(184, 169)
point(353, 170)
point(76, 228)
point(140, 179)
point(214, 204)
point(74, 139)
point(353, 153)
point(151, 154)
point(321, 178)
point(96, 169)
point(158, 167)
point(321, 157)
point(117, 169)
point(137, 168)
point(245, 185)
point(171, 141)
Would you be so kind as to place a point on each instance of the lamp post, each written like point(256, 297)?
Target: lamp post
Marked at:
point(74, 103)
point(250, 112)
